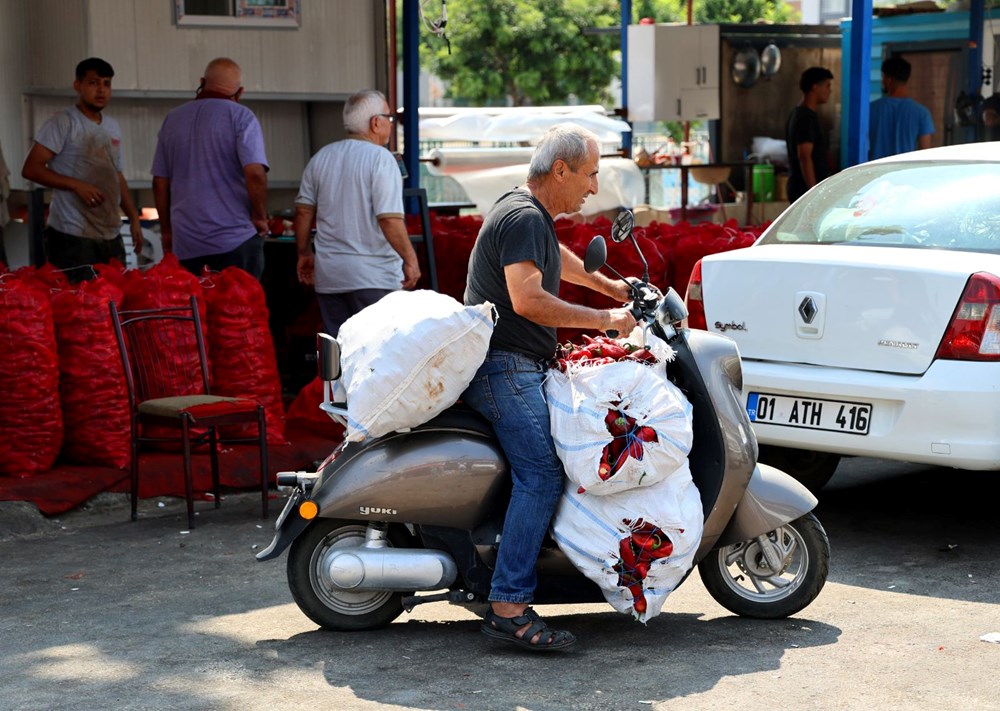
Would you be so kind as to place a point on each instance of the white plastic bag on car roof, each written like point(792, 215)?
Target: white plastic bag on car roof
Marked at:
point(408, 357)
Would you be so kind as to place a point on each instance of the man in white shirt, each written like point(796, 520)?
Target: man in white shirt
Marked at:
point(354, 190)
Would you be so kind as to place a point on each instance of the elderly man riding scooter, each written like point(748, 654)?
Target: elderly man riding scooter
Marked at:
point(517, 264)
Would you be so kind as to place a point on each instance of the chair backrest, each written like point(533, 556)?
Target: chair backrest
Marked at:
point(162, 351)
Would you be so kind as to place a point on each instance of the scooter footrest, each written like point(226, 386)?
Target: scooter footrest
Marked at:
point(459, 596)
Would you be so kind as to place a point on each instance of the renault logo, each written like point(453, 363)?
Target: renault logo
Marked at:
point(808, 310)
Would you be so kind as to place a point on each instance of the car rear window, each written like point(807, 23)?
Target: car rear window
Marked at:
point(929, 205)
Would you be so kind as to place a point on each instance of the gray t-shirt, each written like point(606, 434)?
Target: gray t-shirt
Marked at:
point(517, 229)
point(352, 183)
point(90, 152)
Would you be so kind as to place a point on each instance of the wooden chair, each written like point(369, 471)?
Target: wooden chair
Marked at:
point(166, 370)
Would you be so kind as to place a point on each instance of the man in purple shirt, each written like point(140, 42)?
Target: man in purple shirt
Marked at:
point(210, 177)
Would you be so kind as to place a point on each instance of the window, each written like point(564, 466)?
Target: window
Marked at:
point(238, 13)
point(912, 204)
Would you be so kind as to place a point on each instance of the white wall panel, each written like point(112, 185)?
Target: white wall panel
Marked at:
point(282, 122)
point(57, 41)
point(13, 77)
point(333, 52)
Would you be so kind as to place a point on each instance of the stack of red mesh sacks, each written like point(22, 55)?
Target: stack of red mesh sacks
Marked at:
point(63, 373)
point(670, 250)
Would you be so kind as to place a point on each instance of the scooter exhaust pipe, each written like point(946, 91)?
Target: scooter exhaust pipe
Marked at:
point(397, 569)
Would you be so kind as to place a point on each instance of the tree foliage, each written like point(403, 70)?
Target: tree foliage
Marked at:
point(534, 51)
point(710, 11)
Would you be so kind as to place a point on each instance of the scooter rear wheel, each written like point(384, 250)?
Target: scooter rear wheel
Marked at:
point(740, 578)
point(328, 606)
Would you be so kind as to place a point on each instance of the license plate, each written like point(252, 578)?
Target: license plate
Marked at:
point(810, 413)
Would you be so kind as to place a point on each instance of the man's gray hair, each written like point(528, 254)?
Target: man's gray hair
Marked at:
point(359, 109)
point(565, 141)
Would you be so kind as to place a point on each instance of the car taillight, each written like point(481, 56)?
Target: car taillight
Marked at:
point(695, 302)
point(974, 331)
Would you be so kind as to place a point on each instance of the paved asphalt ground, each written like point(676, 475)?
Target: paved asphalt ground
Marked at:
point(102, 613)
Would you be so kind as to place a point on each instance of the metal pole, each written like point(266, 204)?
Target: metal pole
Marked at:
point(626, 21)
point(411, 92)
point(974, 81)
point(859, 82)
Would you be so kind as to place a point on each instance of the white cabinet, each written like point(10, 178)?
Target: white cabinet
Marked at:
point(673, 72)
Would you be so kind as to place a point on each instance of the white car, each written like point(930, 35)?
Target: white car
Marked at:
point(868, 316)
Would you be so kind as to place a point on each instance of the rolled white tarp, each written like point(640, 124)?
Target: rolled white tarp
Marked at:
point(448, 161)
point(620, 184)
point(517, 125)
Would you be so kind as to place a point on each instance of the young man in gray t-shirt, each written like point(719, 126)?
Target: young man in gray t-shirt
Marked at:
point(77, 153)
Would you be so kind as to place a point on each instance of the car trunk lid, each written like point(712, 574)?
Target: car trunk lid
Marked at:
point(860, 307)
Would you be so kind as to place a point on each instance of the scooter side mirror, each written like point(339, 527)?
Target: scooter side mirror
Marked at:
point(596, 255)
point(327, 357)
point(621, 228)
point(671, 310)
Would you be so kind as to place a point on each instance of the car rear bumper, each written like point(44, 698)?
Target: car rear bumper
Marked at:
point(948, 416)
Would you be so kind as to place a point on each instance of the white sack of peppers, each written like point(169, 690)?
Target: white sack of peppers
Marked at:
point(637, 545)
point(618, 425)
point(408, 357)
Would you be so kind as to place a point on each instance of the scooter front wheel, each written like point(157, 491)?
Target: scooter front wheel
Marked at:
point(774, 576)
point(322, 602)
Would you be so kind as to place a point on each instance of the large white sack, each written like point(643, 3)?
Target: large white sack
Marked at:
point(581, 399)
point(604, 535)
point(408, 357)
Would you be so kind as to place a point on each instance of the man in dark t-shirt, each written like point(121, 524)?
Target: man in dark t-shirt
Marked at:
point(808, 147)
point(517, 264)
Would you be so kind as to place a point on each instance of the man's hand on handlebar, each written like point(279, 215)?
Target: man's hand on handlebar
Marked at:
point(652, 287)
point(621, 320)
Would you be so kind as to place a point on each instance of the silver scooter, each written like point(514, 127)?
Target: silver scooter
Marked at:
point(416, 516)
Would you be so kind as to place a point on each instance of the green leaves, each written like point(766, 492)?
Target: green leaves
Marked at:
point(545, 51)
point(535, 51)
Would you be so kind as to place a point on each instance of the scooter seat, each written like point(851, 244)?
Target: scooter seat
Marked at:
point(460, 417)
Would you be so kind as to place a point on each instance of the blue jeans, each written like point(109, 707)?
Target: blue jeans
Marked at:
point(507, 391)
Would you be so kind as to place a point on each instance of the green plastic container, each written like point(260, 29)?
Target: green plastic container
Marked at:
point(763, 182)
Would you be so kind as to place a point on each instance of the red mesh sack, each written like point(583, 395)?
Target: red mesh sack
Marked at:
point(44, 277)
point(454, 238)
point(91, 380)
point(169, 284)
point(30, 416)
point(243, 360)
point(304, 412)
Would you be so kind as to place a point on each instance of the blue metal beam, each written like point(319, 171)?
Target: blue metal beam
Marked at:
point(626, 21)
point(858, 82)
point(975, 56)
point(411, 92)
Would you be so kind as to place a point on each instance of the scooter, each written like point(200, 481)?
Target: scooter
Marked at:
point(416, 516)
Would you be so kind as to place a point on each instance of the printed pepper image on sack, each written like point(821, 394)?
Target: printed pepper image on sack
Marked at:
point(617, 422)
point(646, 543)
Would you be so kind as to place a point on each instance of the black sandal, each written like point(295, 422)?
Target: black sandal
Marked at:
point(505, 629)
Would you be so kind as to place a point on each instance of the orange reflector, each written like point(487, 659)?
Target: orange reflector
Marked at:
point(308, 510)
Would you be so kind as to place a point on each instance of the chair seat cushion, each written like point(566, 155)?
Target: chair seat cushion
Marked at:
point(197, 406)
